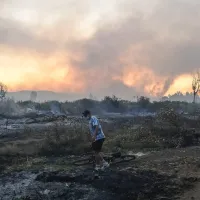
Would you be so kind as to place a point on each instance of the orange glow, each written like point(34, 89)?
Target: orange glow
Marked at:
point(143, 79)
point(31, 71)
point(24, 72)
point(92, 47)
point(182, 83)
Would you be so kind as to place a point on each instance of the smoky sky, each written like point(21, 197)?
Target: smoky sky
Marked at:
point(17, 36)
point(169, 38)
point(164, 40)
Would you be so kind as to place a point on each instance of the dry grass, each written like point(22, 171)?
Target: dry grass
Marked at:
point(127, 136)
point(58, 141)
point(61, 142)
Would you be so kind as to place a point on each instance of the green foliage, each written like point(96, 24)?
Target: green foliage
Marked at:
point(44, 106)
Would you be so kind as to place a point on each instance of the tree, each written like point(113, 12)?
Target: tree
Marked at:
point(114, 101)
point(143, 101)
point(3, 90)
point(195, 85)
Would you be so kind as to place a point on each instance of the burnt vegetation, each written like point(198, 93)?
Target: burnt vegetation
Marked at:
point(141, 125)
point(54, 133)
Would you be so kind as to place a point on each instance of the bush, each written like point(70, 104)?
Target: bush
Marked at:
point(59, 141)
point(143, 101)
point(168, 115)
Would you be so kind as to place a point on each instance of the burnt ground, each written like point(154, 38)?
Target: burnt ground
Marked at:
point(25, 174)
point(164, 175)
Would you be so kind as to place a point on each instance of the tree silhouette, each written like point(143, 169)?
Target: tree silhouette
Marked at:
point(143, 101)
point(195, 85)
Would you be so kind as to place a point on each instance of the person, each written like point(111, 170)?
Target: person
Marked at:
point(98, 139)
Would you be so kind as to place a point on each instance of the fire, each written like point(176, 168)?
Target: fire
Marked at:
point(183, 83)
point(28, 71)
point(143, 80)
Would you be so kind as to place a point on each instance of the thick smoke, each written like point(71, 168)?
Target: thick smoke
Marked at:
point(133, 51)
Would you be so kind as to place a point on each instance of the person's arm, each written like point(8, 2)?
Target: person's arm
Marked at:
point(96, 125)
point(96, 131)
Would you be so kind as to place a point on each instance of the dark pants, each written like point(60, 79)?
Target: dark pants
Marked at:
point(97, 145)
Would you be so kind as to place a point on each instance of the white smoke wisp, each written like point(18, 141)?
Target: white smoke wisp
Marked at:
point(9, 107)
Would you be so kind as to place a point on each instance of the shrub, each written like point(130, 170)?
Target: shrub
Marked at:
point(61, 141)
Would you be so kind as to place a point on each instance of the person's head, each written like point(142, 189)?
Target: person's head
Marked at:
point(87, 114)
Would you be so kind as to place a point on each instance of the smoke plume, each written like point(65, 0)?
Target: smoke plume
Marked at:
point(66, 46)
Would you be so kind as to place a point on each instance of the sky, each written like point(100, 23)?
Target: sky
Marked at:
point(121, 47)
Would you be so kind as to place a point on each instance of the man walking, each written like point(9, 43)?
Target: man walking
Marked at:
point(98, 139)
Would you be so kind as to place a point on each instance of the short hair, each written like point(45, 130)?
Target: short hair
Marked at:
point(86, 113)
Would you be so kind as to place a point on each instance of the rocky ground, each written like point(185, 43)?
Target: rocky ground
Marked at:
point(165, 175)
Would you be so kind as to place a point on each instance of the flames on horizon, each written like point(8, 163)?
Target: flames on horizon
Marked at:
point(127, 52)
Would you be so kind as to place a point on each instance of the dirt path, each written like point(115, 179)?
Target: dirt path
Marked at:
point(193, 194)
point(164, 175)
